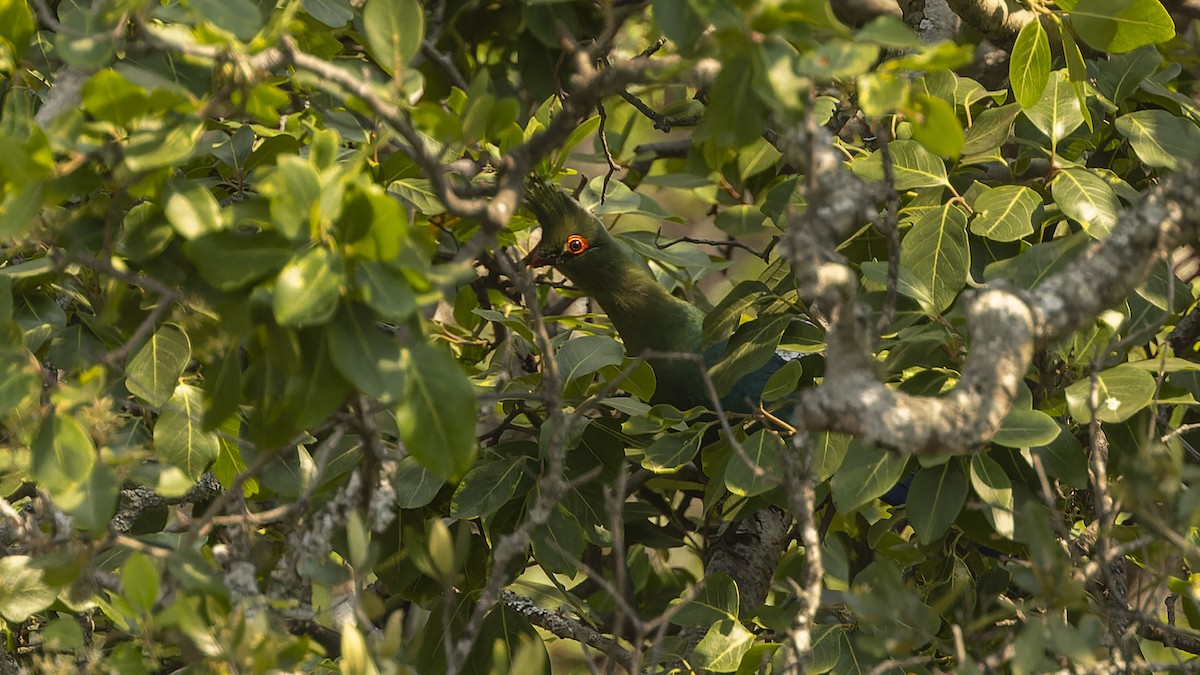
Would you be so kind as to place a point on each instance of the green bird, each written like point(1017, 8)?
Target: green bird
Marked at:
point(645, 314)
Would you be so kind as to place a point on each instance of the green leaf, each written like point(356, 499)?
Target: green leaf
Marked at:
point(866, 473)
point(829, 450)
point(393, 30)
point(1005, 213)
point(680, 22)
point(63, 454)
point(294, 190)
point(154, 370)
point(308, 287)
point(154, 148)
point(936, 496)
point(994, 489)
point(23, 590)
point(1087, 198)
point(20, 377)
point(913, 166)
point(19, 207)
point(1159, 138)
point(418, 192)
point(415, 486)
point(238, 17)
point(139, 581)
point(750, 348)
point(487, 487)
point(587, 354)
point(367, 357)
point(935, 249)
point(714, 599)
point(1057, 113)
point(222, 389)
point(721, 321)
point(63, 634)
point(192, 210)
point(436, 415)
point(837, 59)
point(1065, 459)
point(1038, 262)
point(385, 289)
point(1121, 74)
point(372, 224)
point(1076, 68)
point(1120, 26)
point(229, 260)
point(1121, 392)
point(935, 126)
point(16, 28)
point(741, 220)
point(179, 436)
point(332, 13)
point(559, 544)
point(735, 113)
point(1029, 66)
point(991, 129)
point(907, 283)
point(722, 647)
point(1026, 428)
point(671, 451)
point(93, 502)
point(759, 470)
point(109, 97)
point(783, 381)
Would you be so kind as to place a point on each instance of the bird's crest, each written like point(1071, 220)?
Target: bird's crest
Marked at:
point(552, 206)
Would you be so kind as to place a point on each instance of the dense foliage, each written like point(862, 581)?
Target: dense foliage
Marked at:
point(276, 391)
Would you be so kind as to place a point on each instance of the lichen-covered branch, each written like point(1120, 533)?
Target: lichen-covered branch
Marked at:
point(568, 628)
point(1110, 270)
point(1005, 325)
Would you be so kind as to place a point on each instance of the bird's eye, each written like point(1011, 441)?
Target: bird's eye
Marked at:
point(576, 244)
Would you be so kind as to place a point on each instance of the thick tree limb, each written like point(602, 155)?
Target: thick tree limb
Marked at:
point(1005, 325)
point(993, 18)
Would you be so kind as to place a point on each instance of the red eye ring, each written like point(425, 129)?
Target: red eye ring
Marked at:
point(576, 244)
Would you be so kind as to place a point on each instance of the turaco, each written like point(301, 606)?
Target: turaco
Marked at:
point(645, 314)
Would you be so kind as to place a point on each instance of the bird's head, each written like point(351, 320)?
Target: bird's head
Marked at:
point(571, 235)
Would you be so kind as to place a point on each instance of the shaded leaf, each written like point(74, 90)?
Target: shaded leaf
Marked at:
point(436, 415)
point(63, 454)
point(586, 355)
point(866, 473)
point(760, 470)
point(393, 30)
point(179, 436)
point(154, 370)
point(936, 496)
point(1026, 428)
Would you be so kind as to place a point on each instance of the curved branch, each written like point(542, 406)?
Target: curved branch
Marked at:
point(855, 401)
point(1109, 270)
point(1005, 325)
